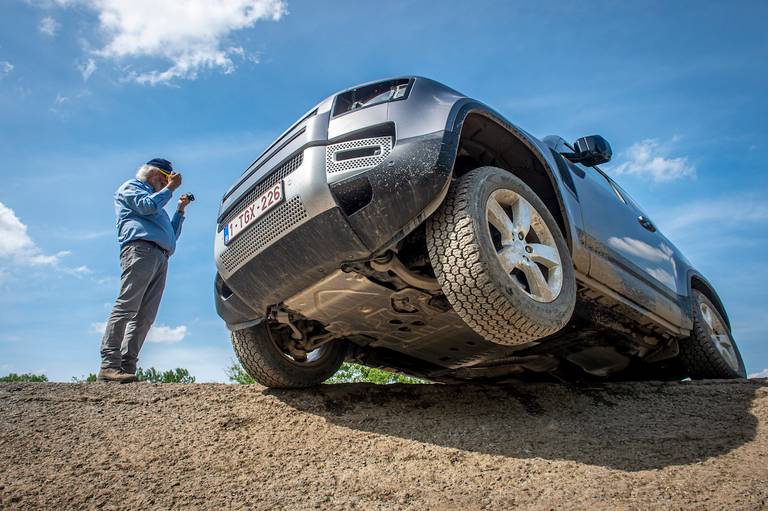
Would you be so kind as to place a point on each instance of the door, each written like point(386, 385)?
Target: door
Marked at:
point(627, 252)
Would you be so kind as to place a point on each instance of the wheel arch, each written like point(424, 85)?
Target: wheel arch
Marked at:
point(481, 136)
point(698, 282)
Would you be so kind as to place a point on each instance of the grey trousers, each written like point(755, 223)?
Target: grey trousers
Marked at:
point(144, 266)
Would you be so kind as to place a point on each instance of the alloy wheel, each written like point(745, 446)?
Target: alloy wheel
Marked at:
point(296, 356)
point(719, 336)
point(524, 245)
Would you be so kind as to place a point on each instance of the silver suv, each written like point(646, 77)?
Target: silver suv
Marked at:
point(400, 224)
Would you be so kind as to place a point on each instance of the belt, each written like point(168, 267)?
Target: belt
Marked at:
point(161, 249)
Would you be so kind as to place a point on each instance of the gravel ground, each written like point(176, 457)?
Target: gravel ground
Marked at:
point(691, 445)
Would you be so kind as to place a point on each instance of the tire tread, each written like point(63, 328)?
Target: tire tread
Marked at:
point(456, 256)
point(699, 356)
point(261, 360)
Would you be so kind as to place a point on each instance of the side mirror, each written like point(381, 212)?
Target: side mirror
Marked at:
point(592, 150)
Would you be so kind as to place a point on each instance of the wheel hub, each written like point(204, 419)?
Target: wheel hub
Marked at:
point(524, 245)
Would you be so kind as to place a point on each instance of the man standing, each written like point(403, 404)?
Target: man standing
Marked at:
point(147, 238)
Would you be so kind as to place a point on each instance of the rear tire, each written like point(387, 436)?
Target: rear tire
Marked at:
point(710, 351)
point(260, 351)
point(492, 276)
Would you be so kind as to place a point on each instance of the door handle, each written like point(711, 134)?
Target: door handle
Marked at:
point(647, 224)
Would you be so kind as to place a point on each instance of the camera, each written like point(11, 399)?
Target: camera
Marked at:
point(189, 196)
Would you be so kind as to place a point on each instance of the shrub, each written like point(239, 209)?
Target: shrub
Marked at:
point(91, 378)
point(152, 375)
point(348, 373)
point(356, 373)
point(237, 374)
point(13, 377)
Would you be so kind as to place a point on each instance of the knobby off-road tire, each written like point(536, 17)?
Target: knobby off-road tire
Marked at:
point(464, 257)
point(258, 349)
point(702, 353)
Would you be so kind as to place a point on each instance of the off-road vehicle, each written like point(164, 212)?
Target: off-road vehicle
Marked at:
point(403, 225)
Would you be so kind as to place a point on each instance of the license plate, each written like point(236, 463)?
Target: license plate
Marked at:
point(253, 211)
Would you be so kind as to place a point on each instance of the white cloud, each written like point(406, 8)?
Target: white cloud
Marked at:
point(236, 50)
point(18, 248)
point(760, 374)
point(5, 68)
point(738, 210)
point(80, 270)
point(239, 51)
point(190, 34)
point(110, 281)
point(16, 245)
point(48, 26)
point(160, 334)
point(166, 334)
point(648, 159)
point(87, 69)
point(62, 105)
point(81, 234)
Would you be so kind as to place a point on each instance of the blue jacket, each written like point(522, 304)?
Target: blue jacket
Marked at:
point(140, 215)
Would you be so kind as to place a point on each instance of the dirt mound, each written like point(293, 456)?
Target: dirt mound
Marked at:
point(541, 446)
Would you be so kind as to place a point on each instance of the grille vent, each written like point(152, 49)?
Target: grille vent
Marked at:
point(266, 230)
point(332, 166)
point(265, 184)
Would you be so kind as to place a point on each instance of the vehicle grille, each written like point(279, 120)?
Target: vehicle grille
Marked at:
point(266, 230)
point(332, 165)
point(265, 184)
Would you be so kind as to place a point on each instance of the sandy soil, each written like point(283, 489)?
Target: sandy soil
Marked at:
point(544, 446)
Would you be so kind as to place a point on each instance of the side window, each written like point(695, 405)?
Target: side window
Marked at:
point(599, 178)
point(619, 192)
point(627, 198)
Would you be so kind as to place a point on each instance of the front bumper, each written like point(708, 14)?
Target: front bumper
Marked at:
point(332, 213)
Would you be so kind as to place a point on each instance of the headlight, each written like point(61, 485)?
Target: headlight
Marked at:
point(370, 95)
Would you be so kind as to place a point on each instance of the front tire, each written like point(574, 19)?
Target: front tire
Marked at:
point(710, 351)
point(261, 350)
point(501, 259)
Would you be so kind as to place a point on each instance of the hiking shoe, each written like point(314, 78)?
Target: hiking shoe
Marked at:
point(107, 375)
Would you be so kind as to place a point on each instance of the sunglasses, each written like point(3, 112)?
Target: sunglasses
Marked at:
point(166, 174)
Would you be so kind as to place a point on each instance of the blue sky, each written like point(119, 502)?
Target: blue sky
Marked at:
point(90, 89)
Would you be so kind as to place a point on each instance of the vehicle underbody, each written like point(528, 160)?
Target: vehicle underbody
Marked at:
point(395, 317)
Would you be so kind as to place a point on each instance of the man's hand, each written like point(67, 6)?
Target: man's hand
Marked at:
point(183, 201)
point(174, 181)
